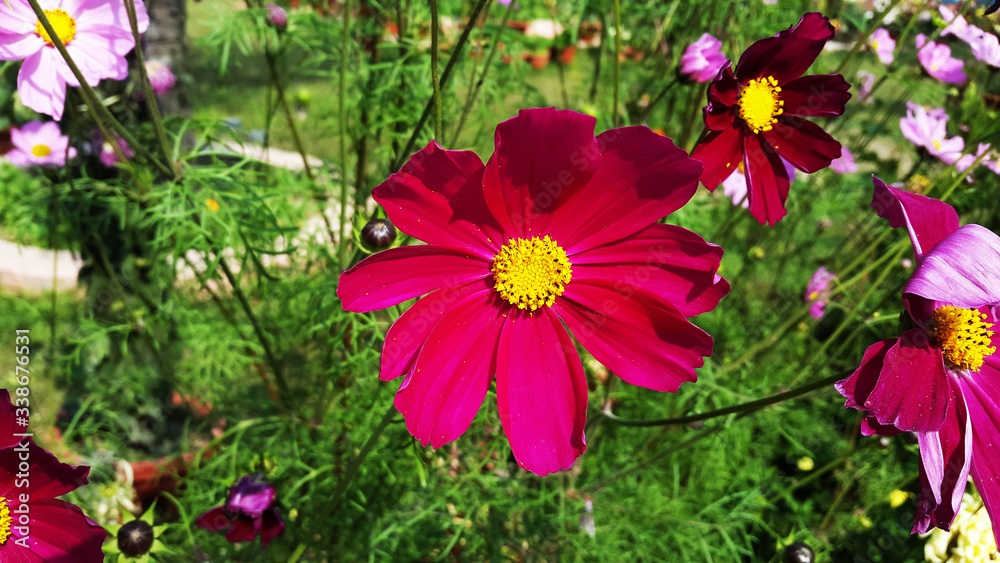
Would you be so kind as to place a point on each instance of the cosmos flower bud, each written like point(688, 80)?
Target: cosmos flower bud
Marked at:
point(135, 538)
point(277, 16)
point(798, 552)
point(378, 233)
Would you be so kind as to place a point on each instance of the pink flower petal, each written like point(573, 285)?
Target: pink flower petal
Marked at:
point(437, 197)
point(767, 180)
point(927, 220)
point(395, 275)
point(787, 55)
point(541, 392)
point(912, 392)
point(59, 531)
point(49, 476)
point(641, 178)
point(542, 157)
point(665, 260)
point(859, 385)
point(720, 153)
point(214, 520)
point(244, 529)
point(271, 526)
point(817, 95)
point(803, 143)
point(452, 373)
point(40, 87)
point(408, 333)
point(963, 269)
point(944, 468)
point(641, 338)
point(981, 392)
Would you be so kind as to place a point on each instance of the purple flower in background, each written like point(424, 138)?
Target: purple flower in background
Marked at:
point(927, 129)
point(248, 512)
point(735, 186)
point(883, 45)
point(940, 379)
point(867, 84)
point(958, 26)
point(702, 59)
point(938, 62)
point(96, 34)
point(39, 144)
point(818, 291)
point(965, 162)
point(276, 15)
point(108, 156)
point(845, 164)
point(161, 78)
point(986, 48)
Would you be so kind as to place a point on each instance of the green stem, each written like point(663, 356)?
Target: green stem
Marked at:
point(455, 56)
point(471, 98)
point(863, 40)
point(151, 105)
point(104, 119)
point(435, 29)
point(740, 408)
point(617, 63)
point(342, 102)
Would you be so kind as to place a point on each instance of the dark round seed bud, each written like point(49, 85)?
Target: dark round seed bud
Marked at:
point(798, 552)
point(378, 233)
point(135, 538)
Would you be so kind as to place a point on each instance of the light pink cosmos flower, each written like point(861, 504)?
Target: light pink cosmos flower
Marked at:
point(927, 129)
point(845, 164)
point(276, 15)
point(987, 49)
point(735, 186)
point(866, 87)
point(938, 62)
point(941, 378)
point(958, 26)
point(97, 36)
point(161, 78)
point(557, 232)
point(702, 59)
point(39, 144)
point(108, 156)
point(883, 45)
point(818, 291)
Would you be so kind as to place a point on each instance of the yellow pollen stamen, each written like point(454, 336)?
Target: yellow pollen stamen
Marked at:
point(875, 45)
point(5, 521)
point(759, 104)
point(62, 23)
point(41, 150)
point(937, 145)
point(531, 273)
point(963, 336)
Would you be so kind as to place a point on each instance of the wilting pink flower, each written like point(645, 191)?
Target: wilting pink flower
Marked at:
point(940, 379)
point(276, 15)
point(108, 156)
point(44, 528)
point(735, 186)
point(818, 291)
point(845, 164)
point(702, 59)
point(248, 512)
point(97, 36)
point(987, 49)
point(756, 115)
point(883, 45)
point(938, 62)
point(161, 78)
point(866, 87)
point(558, 227)
point(39, 144)
point(927, 129)
point(958, 26)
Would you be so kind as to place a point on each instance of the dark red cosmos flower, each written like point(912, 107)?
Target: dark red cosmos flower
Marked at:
point(35, 526)
point(755, 116)
point(248, 512)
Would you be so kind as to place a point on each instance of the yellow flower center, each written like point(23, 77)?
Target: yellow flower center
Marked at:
point(41, 150)
point(963, 336)
point(62, 23)
point(532, 272)
point(875, 45)
point(937, 145)
point(759, 104)
point(5, 521)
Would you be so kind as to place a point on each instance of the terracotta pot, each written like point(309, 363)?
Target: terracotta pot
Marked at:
point(567, 55)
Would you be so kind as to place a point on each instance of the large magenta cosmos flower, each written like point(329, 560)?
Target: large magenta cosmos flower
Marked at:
point(754, 116)
point(96, 34)
point(940, 379)
point(558, 227)
point(248, 512)
point(35, 526)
